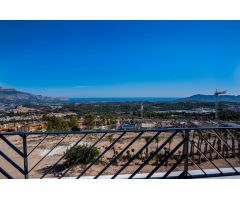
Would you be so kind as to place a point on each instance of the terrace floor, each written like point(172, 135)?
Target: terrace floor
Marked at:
point(212, 173)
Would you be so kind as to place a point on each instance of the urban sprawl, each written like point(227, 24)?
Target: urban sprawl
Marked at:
point(115, 115)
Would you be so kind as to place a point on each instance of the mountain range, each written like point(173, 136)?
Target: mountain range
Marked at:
point(10, 95)
point(211, 98)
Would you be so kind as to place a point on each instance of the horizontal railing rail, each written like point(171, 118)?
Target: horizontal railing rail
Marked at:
point(148, 153)
point(116, 131)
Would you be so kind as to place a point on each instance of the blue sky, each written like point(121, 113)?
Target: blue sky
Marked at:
point(120, 58)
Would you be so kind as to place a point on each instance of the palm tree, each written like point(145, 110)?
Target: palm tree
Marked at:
point(200, 148)
point(169, 144)
point(238, 137)
point(219, 145)
point(233, 147)
point(192, 142)
point(110, 139)
point(209, 136)
point(147, 139)
point(211, 149)
point(225, 148)
point(166, 152)
point(205, 146)
point(200, 141)
point(157, 141)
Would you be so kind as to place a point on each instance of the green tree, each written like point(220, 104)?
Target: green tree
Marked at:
point(89, 121)
point(57, 124)
point(83, 154)
point(73, 122)
point(49, 126)
point(102, 121)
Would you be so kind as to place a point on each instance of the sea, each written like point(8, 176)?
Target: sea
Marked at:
point(123, 99)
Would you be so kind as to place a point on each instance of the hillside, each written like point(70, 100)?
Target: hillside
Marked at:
point(211, 98)
point(10, 95)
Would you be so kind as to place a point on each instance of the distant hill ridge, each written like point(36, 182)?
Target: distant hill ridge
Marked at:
point(11, 95)
point(211, 98)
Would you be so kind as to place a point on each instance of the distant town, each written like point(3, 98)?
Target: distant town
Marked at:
point(24, 112)
point(114, 115)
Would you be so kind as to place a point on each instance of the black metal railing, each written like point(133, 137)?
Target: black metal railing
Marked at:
point(158, 153)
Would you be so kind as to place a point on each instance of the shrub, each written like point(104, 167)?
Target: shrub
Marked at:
point(57, 124)
point(84, 153)
point(75, 128)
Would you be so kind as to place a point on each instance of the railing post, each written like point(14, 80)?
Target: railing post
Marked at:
point(186, 153)
point(25, 156)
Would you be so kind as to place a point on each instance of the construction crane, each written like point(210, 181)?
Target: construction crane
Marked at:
point(216, 94)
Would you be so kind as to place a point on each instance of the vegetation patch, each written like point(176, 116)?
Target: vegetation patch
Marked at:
point(82, 154)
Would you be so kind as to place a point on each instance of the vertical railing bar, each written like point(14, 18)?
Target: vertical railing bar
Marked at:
point(219, 154)
point(165, 159)
point(37, 145)
point(152, 155)
point(63, 156)
point(48, 153)
point(113, 160)
point(25, 158)
point(137, 154)
point(186, 151)
point(107, 149)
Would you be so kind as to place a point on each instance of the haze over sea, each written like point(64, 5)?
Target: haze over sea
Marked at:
point(124, 99)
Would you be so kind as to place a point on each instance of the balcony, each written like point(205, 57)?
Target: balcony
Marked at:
point(128, 154)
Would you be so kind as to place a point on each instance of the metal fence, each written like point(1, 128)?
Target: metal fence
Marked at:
point(158, 153)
